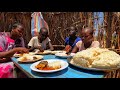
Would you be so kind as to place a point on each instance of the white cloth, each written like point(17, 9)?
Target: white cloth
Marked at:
point(81, 47)
point(35, 42)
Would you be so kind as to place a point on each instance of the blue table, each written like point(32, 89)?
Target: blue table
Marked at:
point(70, 72)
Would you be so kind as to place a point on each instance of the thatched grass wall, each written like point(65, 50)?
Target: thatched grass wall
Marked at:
point(111, 24)
point(8, 18)
point(59, 23)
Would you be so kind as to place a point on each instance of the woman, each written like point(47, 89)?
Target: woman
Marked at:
point(7, 44)
point(87, 40)
point(41, 41)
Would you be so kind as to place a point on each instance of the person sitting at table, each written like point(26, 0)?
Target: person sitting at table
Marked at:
point(71, 41)
point(87, 40)
point(41, 41)
point(7, 44)
point(19, 42)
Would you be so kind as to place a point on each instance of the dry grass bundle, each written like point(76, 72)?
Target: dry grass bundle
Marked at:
point(8, 18)
point(113, 74)
point(59, 23)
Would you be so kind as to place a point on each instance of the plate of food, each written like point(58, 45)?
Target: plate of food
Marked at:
point(49, 65)
point(26, 58)
point(62, 55)
point(17, 55)
point(58, 51)
point(43, 53)
point(31, 53)
point(71, 62)
point(96, 59)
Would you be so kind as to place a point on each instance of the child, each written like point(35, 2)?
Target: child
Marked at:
point(71, 41)
point(41, 41)
point(87, 40)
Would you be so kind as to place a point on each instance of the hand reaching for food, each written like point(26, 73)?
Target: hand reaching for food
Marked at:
point(21, 50)
point(40, 48)
point(68, 48)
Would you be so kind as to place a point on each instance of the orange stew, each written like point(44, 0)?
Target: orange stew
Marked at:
point(43, 65)
point(48, 68)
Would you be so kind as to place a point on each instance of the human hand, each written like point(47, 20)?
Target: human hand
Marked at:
point(68, 48)
point(40, 48)
point(4, 60)
point(21, 50)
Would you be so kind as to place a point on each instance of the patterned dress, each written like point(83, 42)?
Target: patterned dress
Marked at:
point(7, 68)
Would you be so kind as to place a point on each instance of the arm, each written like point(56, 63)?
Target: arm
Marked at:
point(37, 47)
point(75, 49)
point(7, 53)
point(77, 46)
point(66, 41)
point(51, 46)
point(30, 45)
point(31, 48)
point(4, 60)
point(11, 52)
point(5, 56)
point(68, 48)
